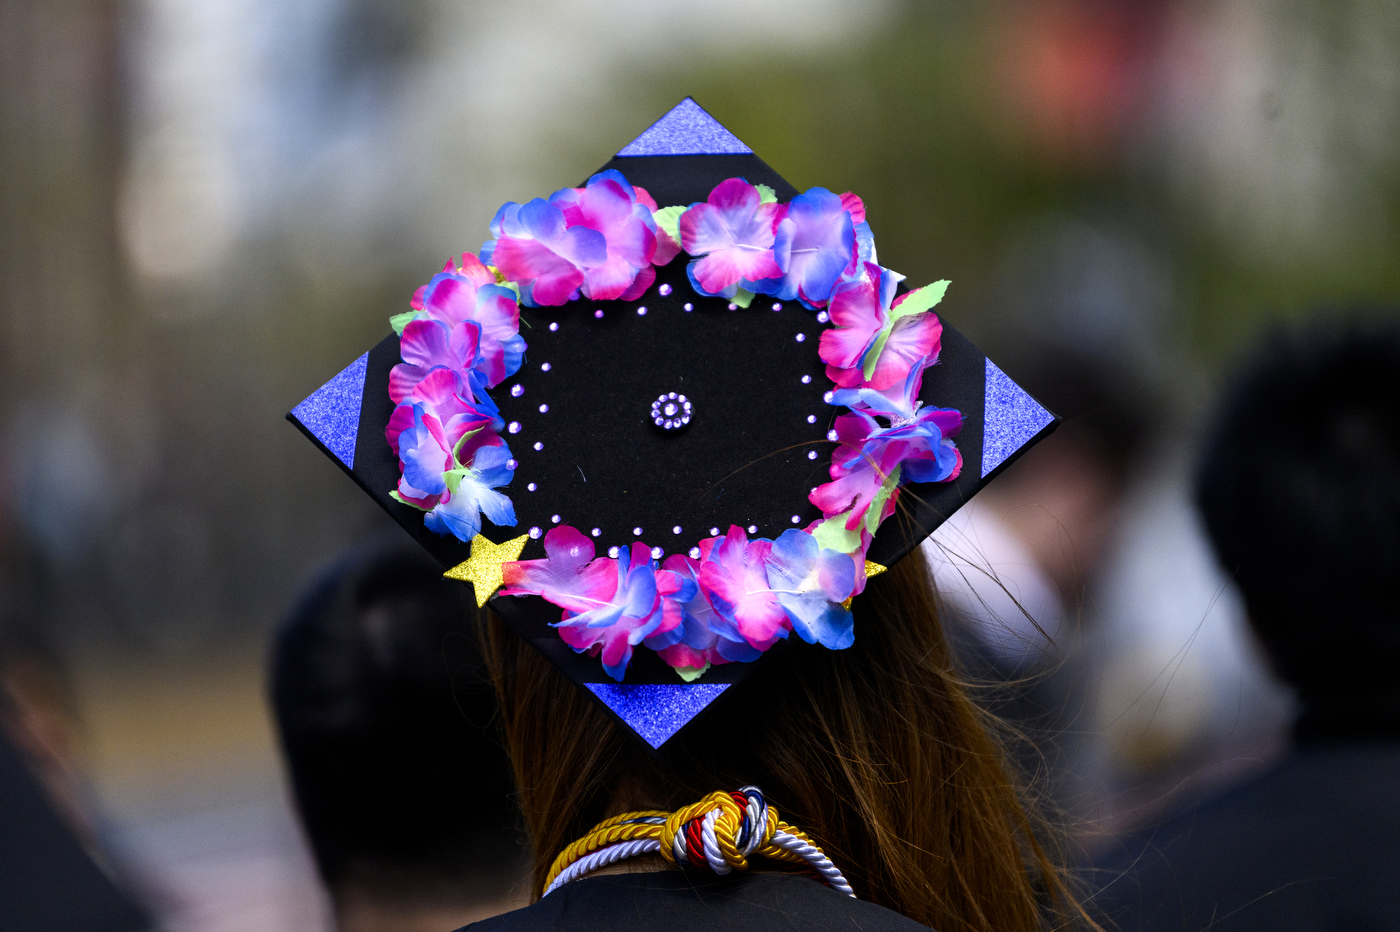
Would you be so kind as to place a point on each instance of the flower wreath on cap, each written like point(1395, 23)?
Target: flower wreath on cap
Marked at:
point(729, 598)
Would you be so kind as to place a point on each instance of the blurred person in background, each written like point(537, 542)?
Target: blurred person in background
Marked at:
point(386, 723)
point(1015, 565)
point(52, 874)
point(1299, 487)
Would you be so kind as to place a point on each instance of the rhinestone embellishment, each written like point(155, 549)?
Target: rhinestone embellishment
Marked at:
point(671, 411)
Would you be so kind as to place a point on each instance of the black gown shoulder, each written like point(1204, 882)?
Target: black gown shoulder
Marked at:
point(677, 902)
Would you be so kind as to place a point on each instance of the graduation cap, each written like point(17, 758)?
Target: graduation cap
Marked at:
point(658, 421)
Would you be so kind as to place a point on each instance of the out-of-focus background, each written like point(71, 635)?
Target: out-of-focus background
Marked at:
point(208, 207)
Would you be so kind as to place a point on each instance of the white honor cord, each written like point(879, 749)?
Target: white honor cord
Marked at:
point(627, 849)
point(819, 862)
point(602, 858)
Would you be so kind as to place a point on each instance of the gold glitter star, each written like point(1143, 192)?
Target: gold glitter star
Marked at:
point(871, 569)
point(483, 568)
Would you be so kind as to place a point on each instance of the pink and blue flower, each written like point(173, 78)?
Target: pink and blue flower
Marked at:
point(702, 636)
point(471, 296)
point(732, 233)
point(614, 208)
point(610, 606)
point(815, 246)
point(536, 249)
point(810, 583)
point(472, 493)
point(735, 577)
point(879, 339)
point(597, 241)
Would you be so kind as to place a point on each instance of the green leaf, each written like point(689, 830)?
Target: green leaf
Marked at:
point(766, 194)
point(920, 300)
point(916, 303)
point(691, 674)
point(669, 219)
point(877, 504)
point(742, 297)
point(832, 534)
point(400, 321)
point(396, 497)
point(453, 477)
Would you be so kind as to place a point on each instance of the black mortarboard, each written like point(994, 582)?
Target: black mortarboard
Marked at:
point(668, 416)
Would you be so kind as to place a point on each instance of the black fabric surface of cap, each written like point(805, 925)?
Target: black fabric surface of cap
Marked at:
point(677, 902)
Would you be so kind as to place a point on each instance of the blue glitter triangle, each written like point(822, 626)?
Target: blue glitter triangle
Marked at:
point(332, 413)
point(686, 130)
point(657, 712)
point(1011, 418)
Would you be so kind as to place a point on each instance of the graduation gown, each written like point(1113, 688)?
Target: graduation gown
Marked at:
point(680, 902)
point(1314, 844)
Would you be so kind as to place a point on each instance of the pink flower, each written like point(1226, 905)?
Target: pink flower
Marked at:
point(878, 339)
point(816, 246)
point(610, 205)
point(733, 231)
point(859, 477)
point(701, 636)
point(471, 295)
point(598, 241)
point(448, 397)
point(432, 344)
point(609, 606)
point(735, 577)
point(537, 250)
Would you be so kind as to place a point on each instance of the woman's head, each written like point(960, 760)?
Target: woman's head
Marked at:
point(875, 751)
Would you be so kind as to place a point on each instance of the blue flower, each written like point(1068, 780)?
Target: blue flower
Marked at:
point(472, 493)
point(811, 583)
point(815, 244)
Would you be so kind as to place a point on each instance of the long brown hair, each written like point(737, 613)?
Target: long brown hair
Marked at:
point(875, 751)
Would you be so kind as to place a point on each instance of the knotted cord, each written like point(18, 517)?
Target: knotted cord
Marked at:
point(719, 834)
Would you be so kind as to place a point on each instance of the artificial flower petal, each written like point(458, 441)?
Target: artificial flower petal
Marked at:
point(735, 578)
point(732, 232)
point(815, 245)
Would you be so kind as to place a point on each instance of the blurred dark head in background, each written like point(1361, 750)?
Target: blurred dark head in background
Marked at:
point(386, 720)
point(1063, 501)
point(1299, 486)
